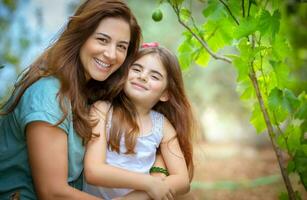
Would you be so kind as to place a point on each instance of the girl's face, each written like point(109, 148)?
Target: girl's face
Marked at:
point(106, 49)
point(147, 81)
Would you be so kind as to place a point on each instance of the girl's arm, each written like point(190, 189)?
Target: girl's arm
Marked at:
point(47, 149)
point(98, 172)
point(178, 180)
point(141, 195)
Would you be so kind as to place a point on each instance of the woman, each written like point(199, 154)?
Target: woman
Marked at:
point(44, 125)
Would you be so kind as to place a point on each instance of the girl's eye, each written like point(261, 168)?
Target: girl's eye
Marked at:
point(155, 77)
point(136, 69)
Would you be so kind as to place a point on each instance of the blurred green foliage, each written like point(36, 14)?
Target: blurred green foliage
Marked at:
point(267, 55)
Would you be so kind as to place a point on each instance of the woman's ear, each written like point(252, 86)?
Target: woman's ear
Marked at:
point(164, 97)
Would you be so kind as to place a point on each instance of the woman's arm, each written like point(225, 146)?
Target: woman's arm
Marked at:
point(47, 149)
point(178, 180)
point(98, 172)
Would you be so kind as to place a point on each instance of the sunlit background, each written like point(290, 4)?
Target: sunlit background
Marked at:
point(232, 160)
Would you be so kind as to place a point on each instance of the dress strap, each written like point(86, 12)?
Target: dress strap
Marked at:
point(157, 122)
point(109, 122)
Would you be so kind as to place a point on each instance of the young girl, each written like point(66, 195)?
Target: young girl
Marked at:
point(152, 111)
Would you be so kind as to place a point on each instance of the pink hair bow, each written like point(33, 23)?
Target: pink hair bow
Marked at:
point(150, 44)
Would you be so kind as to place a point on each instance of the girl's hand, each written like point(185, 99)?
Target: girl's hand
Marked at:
point(158, 189)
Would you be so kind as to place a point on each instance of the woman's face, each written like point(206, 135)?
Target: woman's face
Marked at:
point(106, 49)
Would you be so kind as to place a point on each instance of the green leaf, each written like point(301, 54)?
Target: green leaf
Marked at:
point(269, 23)
point(185, 51)
point(247, 27)
point(246, 50)
point(185, 14)
point(291, 166)
point(264, 22)
point(282, 142)
point(242, 68)
point(304, 148)
point(281, 73)
point(275, 98)
point(302, 112)
point(275, 20)
point(202, 58)
point(300, 160)
point(304, 126)
point(294, 138)
point(280, 48)
point(245, 89)
point(214, 11)
point(290, 101)
point(219, 33)
point(257, 119)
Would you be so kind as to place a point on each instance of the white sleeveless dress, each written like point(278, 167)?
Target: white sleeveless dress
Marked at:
point(141, 161)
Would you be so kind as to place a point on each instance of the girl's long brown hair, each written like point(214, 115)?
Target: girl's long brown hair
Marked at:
point(177, 110)
point(62, 60)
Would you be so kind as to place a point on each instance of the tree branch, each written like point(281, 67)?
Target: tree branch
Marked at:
point(249, 7)
point(243, 8)
point(268, 123)
point(228, 9)
point(269, 126)
point(199, 39)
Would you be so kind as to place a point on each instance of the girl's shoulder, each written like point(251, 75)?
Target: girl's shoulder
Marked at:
point(102, 105)
point(100, 108)
point(168, 130)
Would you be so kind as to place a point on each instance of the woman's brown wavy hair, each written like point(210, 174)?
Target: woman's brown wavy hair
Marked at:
point(62, 60)
point(177, 110)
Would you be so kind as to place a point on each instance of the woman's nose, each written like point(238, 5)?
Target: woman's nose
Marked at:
point(110, 52)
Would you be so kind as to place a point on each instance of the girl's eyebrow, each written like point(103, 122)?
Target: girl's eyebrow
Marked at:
point(137, 64)
point(152, 71)
point(156, 72)
point(107, 36)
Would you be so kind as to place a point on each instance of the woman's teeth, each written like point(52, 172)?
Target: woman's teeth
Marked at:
point(102, 64)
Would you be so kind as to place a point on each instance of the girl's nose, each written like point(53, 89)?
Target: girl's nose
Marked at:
point(143, 76)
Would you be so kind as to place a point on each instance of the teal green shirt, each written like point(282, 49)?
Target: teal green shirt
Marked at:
point(38, 103)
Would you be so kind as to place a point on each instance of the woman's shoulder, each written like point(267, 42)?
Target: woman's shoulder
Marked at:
point(42, 92)
point(47, 84)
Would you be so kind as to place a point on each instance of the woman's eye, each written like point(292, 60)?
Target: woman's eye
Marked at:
point(103, 40)
point(122, 47)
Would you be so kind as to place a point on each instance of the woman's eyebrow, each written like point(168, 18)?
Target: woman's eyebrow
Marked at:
point(107, 36)
point(104, 35)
